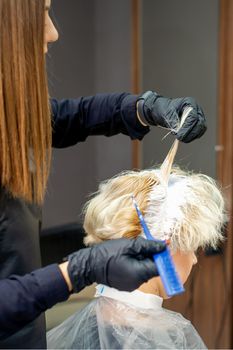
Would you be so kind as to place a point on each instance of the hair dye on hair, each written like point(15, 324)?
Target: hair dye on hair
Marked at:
point(186, 208)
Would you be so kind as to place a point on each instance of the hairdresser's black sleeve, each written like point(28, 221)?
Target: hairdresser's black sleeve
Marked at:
point(102, 114)
point(23, 298)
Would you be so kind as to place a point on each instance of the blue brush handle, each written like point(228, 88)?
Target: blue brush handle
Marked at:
point(164, 263)
point(168, 274)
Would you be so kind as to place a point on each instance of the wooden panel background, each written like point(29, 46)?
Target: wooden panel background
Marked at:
point(207, 301)
point(225, 157)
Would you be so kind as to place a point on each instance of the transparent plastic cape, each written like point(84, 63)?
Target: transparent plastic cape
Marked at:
point(125, 321)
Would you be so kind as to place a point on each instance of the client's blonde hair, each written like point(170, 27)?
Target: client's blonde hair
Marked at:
point(184, 207)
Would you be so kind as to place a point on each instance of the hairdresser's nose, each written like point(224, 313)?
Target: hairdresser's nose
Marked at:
point(51, 33)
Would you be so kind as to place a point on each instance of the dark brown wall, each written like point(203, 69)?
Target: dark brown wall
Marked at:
point(91, 56)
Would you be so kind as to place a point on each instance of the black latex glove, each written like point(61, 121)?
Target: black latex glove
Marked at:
point(122, 263)
point(154, 109)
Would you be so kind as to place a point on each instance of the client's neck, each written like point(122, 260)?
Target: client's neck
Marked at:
point(153, 286)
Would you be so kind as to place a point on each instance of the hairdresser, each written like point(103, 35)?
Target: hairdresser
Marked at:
point(27, 134)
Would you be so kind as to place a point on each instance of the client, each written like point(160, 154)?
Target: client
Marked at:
point(185, 208)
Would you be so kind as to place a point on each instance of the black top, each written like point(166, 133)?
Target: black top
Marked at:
point(22, 299)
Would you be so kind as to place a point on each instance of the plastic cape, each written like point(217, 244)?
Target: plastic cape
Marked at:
point(122, 320)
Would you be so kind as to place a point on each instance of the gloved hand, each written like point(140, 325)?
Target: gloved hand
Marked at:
point(122, 263)
point(154, 109)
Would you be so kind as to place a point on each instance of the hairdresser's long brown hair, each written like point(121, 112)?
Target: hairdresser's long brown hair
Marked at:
point(25, 125)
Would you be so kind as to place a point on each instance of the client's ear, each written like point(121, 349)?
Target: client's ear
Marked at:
point(183, 263)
